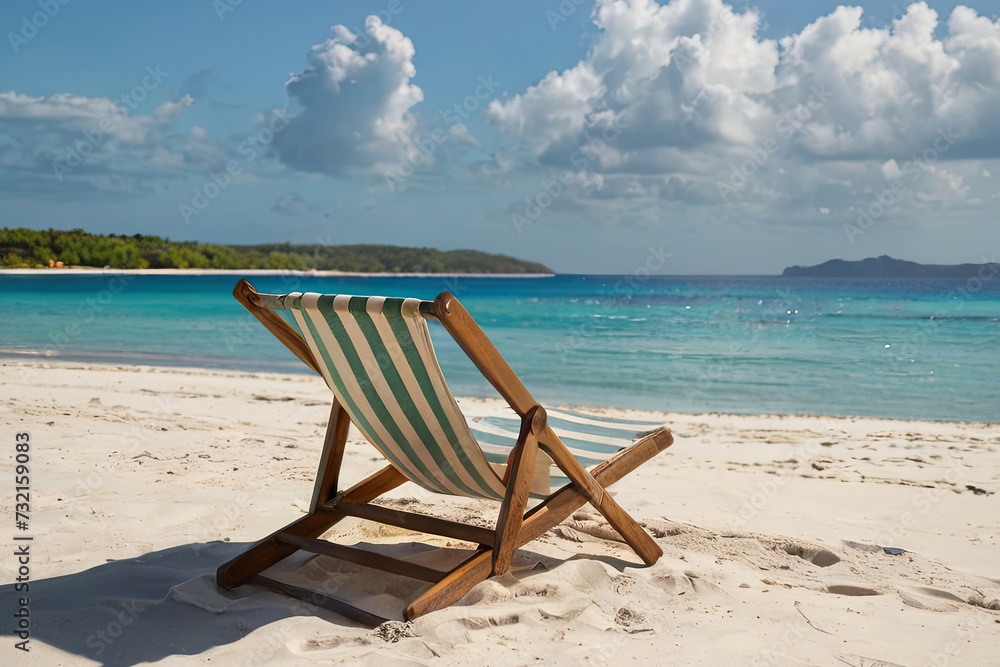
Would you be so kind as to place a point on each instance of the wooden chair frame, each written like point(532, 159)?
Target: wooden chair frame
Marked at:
point(514, 527)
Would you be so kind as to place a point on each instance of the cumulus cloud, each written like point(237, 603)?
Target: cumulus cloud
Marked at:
point(686, 101)
point(351, 106)
point(292, 205)
point(65, 136)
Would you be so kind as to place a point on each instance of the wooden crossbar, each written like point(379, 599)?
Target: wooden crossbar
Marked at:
point(416, 522)
point(363, 557)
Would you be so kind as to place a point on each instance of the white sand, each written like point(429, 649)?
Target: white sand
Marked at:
point(770, 526)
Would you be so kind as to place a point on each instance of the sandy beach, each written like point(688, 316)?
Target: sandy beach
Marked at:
point(144, 480)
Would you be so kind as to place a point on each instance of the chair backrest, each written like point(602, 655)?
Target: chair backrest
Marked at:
point(376, 355)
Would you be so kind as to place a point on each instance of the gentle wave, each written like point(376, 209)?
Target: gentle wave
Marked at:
point(684, 344)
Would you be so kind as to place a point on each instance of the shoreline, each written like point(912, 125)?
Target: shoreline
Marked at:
point(87, 270)
point(38, 360)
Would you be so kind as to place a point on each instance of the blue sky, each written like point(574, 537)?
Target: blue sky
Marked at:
point(737, 138)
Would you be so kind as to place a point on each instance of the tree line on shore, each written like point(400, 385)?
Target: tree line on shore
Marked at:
point(29, 248)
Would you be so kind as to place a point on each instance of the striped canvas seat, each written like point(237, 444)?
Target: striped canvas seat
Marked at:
point(378, 359)
point(590, 439)
point(380, 363)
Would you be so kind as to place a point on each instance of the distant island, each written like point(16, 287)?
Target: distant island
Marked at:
point(887, 267)
point(22, 248)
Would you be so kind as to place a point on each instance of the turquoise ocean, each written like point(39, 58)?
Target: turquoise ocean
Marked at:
point(912, 348)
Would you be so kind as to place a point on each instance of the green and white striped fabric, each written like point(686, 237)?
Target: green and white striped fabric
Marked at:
point(376, 355)
point(591, 439)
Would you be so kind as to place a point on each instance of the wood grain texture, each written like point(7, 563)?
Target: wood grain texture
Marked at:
point(453, 587)
point(328, 474)
point(363, 557)
point(548, 514)
point(282, 330)
point(419, 522)
point(593, 491)
point(482, 352)
point(269, 551)
point(521, 467)
point(554, 509)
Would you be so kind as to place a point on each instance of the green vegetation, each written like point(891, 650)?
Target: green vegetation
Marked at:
point(29, 248)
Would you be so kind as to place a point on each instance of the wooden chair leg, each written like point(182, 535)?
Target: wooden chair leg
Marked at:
point(554, 509)
point(327, 477)
point(282, 330)
point(453, 587)
point(551, 512)
point(269, 551)
point(594, 492)
point(521, 467)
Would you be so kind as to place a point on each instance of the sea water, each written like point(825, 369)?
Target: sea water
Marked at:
point(910, 348)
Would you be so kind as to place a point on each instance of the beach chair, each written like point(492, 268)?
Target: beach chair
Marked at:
point(376, 355)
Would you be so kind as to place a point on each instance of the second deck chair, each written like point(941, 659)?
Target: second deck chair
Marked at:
point(376, 355)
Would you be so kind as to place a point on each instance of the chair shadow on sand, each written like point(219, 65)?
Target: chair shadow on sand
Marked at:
point(128, 611)
point(165, 603)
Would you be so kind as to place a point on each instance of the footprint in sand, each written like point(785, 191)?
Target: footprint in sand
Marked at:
point(816, 555)
point(931, 599)
point(677, 583)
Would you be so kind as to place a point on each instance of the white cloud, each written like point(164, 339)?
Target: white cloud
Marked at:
point(292, 205)
point(171, 110)
point(553, 112)
point(352, 105)
point(459, 134)
point(689, 90)
point(891, 169)
point(88, 140)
